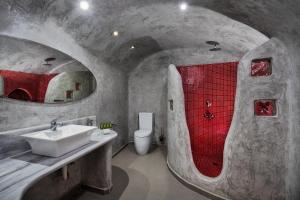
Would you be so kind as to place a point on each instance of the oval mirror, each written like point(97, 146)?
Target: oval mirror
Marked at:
point(33, 72)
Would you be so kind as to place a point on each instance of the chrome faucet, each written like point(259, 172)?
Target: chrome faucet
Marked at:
point(54, 124)
point(89, 122)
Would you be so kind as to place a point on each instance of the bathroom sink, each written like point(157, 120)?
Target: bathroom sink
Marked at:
point(59, 142)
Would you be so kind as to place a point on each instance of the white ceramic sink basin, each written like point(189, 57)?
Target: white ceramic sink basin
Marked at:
point(59, 142)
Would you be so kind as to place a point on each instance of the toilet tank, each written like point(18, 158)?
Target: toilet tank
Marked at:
point(145, 121)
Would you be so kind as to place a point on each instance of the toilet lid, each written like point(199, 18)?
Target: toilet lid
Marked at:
point(142, 133)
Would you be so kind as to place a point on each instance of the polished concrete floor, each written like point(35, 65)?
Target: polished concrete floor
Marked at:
point(143, 178)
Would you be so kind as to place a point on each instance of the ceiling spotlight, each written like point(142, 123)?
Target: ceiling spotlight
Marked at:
point(84, 5)
point(132, 47)
point(115, 33)
point(183, 6)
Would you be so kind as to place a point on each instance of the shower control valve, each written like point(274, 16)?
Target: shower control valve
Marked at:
point(208, 115)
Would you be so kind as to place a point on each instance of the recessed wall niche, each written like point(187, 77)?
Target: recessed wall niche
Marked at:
point(69, 94)
point(261, 67)
point(77, 86)
point(265, 107)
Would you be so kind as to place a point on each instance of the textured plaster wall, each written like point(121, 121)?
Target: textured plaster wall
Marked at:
point(257, 148)
point(1, 86)
point(292, 42)
point(67, 81)
point(27, 56)
point(71, 66)
point(147, 86)
point(108, 102)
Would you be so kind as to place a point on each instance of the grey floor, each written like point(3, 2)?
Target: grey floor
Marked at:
point(143, 178)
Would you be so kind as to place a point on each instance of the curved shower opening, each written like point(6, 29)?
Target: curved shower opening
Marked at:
point(20, 94)
point(209, 94)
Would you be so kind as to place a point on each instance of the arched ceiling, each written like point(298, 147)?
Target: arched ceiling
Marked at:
point(153, 25)
point(27, 56)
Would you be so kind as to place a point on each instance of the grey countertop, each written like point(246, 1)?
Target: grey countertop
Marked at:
point(20, 171)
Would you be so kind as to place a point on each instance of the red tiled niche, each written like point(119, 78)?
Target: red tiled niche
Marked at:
point(265, 107)
point(261, 67)
point(209, 92)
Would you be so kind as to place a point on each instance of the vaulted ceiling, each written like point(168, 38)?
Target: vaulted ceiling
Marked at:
point(155, 25)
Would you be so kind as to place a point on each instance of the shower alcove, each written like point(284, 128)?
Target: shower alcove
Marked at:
point(208, 115)
point(209, 92)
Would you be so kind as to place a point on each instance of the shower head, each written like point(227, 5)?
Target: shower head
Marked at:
point(215, 44)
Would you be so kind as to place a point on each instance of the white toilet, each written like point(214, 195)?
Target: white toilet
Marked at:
point(143, 136)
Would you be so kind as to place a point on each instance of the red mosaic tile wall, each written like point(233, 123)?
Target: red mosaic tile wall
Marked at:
point(209, 92)
point(34, 84)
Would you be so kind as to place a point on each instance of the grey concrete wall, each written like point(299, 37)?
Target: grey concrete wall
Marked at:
point(69, 66)
point(1, 86)
point(93, 170)
point(65, 81)
point(108, 102)
point(147, 86)
point(293, 159)
point(257, 148)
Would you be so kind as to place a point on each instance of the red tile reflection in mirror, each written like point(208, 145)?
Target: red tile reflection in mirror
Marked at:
point(261, 67)
point(265, 107)
point(77, 86)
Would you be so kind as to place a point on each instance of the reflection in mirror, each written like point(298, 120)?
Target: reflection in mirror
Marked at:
point(36, 73)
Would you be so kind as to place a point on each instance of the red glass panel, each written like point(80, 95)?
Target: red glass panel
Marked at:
point(261, 67)
point(209, 92)
point(265, 107)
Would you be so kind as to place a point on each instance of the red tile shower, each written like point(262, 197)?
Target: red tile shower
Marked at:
point(209, 92)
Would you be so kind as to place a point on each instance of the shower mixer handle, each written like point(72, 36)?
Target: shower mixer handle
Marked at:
point(171, 104)
point(208, 103)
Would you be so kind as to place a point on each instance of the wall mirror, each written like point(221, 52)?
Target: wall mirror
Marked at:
point(36, 73)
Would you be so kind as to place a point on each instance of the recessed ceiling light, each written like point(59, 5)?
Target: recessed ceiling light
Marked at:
point(84, 5)
point(132, 47)
point(115, 33)
point(183, 6)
